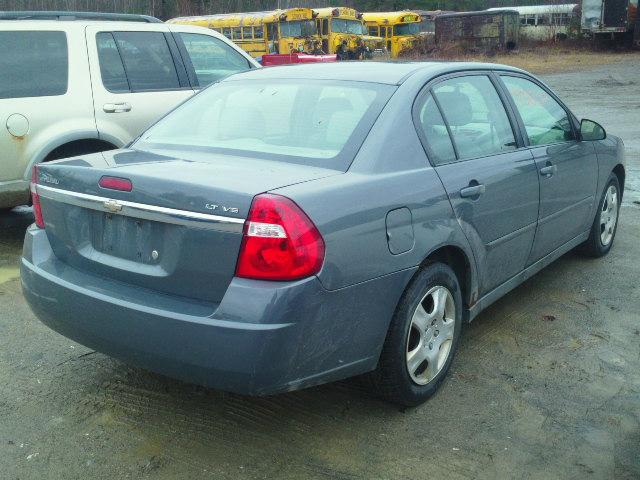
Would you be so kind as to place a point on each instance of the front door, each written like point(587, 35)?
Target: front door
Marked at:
point(567, 167)
point(137, 77)
point(491, 183)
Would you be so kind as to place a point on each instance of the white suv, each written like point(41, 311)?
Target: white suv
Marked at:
point(84, 83)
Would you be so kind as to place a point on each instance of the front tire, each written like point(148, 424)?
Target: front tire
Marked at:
point(422, 338)
point(605, 223)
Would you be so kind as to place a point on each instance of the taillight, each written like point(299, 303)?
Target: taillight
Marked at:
point(116, 183)
point(279, 242)
point(35, 198)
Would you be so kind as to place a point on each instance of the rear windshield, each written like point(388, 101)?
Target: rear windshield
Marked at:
point(319, 123)
point(33, 64)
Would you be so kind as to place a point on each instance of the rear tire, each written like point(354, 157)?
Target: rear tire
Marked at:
point(605, 223)
point(422, 338)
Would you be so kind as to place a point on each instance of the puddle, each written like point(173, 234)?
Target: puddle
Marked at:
point(8, 273)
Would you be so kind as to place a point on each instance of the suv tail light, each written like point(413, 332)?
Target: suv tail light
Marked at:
point(279, 242)
point(35, 198)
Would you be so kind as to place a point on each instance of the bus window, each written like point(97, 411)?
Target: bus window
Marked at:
point(237, 33)
point(246, 33)
point(257, 32)
point(373, 31)
point(272, 31)
point(226, 32)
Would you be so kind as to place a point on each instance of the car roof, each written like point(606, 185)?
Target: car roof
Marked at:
point(390, 73)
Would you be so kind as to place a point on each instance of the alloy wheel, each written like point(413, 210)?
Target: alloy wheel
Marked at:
point(431, 335)
point(609, 215)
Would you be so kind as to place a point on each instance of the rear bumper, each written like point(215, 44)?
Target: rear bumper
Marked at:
point(263, 338)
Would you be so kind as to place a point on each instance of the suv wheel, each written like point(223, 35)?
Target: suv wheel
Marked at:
point(422, 338)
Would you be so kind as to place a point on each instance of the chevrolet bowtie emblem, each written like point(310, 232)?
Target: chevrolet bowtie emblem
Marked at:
point(112, 206)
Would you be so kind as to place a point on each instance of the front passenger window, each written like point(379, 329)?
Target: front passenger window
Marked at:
point(475, 115)
point(545, 121)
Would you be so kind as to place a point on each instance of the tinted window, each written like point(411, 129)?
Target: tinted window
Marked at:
point(435, 132)
point(476, 117)
point(304, 122)
point(257, 32)
point(147, 61)
point(212, 59)
point(544, 119)
point(33, 64)
point(112, 71)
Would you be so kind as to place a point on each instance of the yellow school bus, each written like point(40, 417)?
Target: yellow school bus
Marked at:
point(258, 33)
point(399, 29)
point(344, 33)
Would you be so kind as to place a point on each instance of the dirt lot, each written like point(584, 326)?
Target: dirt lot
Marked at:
point(527, 397)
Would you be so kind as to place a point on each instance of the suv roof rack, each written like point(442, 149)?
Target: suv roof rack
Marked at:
point(64, 16)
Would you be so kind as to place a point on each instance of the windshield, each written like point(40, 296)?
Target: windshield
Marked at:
point(407, 29)
point(339, 25)
point(298, 28)
point(313, 120)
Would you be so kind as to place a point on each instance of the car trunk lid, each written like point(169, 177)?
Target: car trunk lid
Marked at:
point(179, 229)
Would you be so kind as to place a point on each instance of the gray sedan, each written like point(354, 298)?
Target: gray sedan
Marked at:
point(298, 225)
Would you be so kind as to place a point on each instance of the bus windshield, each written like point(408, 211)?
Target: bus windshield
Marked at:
point(298, 28)
point(407, 29)
point(339, 25)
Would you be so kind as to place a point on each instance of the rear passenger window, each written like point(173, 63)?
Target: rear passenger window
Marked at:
point(545, 121)
point(147, 61)
point(212, 59)
point(475, 115)
point(33, 64)
point(112, 71)
point(440, 149)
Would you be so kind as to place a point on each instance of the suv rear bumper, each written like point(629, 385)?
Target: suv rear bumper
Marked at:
point(263, 338)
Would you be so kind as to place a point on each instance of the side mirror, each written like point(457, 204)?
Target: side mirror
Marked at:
point(591, 131)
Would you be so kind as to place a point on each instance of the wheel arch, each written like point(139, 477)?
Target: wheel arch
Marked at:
point(68, 141)
point(619, 172)
point(462, 265)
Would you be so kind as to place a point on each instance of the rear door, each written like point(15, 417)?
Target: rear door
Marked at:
point(137, 77)
point(491, 182)
point(567, 167)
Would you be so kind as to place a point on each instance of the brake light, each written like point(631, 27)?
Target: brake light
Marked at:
point(116, 183)
point(279, 242)
point(35, 198)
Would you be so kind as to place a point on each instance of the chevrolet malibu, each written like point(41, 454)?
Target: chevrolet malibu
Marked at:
point(293, 226)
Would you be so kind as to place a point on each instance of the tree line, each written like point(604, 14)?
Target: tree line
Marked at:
point(165, 9)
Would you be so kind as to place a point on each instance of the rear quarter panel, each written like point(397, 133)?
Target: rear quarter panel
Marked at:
point(390, 171)
point(53, 120)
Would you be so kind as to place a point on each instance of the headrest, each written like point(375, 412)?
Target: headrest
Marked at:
point(456, 107)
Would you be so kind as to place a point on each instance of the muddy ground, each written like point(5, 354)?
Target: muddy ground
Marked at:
point(527, 398)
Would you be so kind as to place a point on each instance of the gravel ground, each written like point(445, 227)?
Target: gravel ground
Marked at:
point(546, 383)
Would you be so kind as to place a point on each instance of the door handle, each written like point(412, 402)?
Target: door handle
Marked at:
point(548, 170)
point(116, 107)
point(474, 190)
